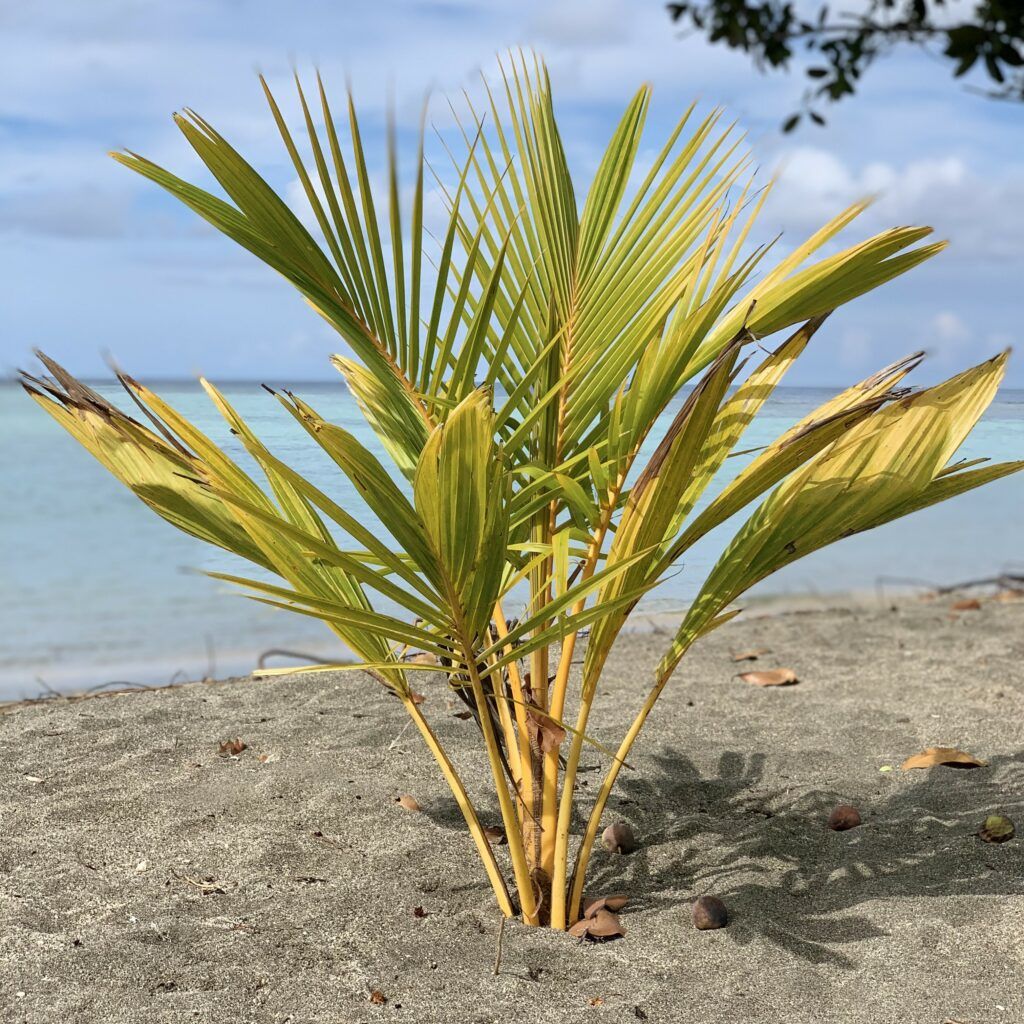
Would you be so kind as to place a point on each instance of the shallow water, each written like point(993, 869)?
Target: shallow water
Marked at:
point(96, 588)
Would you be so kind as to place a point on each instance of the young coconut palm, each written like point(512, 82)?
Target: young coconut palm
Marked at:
point(513, 375)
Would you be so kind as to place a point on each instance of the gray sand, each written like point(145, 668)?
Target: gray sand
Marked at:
point(145, 878)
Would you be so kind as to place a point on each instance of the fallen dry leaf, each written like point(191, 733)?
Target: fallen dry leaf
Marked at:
point(602, 925)
point(269, 758)
point(970, 604)
point(231, 748)
point(997, 828)
point(750, 655)
point(464, 715)
point(1009, 595)
point(613, 902)
point(948, 756)
point(418, 912)
point(495, 835)
point(377, 997)
point(595, 1001)
point(417, 698)
point(544, 731)
point(770, 677)
point(408, 802)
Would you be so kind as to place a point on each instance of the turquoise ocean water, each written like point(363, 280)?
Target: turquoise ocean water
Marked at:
point(96, 588)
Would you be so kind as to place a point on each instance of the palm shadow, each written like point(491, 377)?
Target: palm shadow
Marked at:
point(788, 879)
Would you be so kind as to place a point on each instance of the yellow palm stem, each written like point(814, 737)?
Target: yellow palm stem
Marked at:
point(559, 889)
point(520, 868)
point(508, 730)
point(540, 589)
point(559, 837)
point(468, 811)
point(519, 710)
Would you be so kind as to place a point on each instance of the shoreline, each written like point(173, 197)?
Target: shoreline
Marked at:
point(643, 622)
point(287, 883)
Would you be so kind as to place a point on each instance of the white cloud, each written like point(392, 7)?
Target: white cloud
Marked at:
point(981, 212)
point(583, 24)
point(952, 340)
point(949, 328)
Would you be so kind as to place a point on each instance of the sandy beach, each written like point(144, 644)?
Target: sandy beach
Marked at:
point(144, 877)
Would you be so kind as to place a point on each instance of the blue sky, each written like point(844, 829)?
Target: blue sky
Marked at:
point(94, 259)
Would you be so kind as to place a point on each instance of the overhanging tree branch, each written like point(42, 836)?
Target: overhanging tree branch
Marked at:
point(991, 40)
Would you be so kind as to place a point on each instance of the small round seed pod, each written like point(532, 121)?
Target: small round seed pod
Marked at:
point(619, 838)
point(709, 912)
point(996, 829)
point(844, 817)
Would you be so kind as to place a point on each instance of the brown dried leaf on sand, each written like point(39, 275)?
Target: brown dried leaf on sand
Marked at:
point(770, 677)
point(599, 927)
point(231, 748)
point(495, 835)
point(613, 902)
point(750, 655)
point(948, 756)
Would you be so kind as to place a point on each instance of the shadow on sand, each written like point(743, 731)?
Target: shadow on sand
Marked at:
point(785, 877)
point(788, 879)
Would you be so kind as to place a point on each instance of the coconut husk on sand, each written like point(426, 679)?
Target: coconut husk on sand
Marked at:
point(147, 876)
